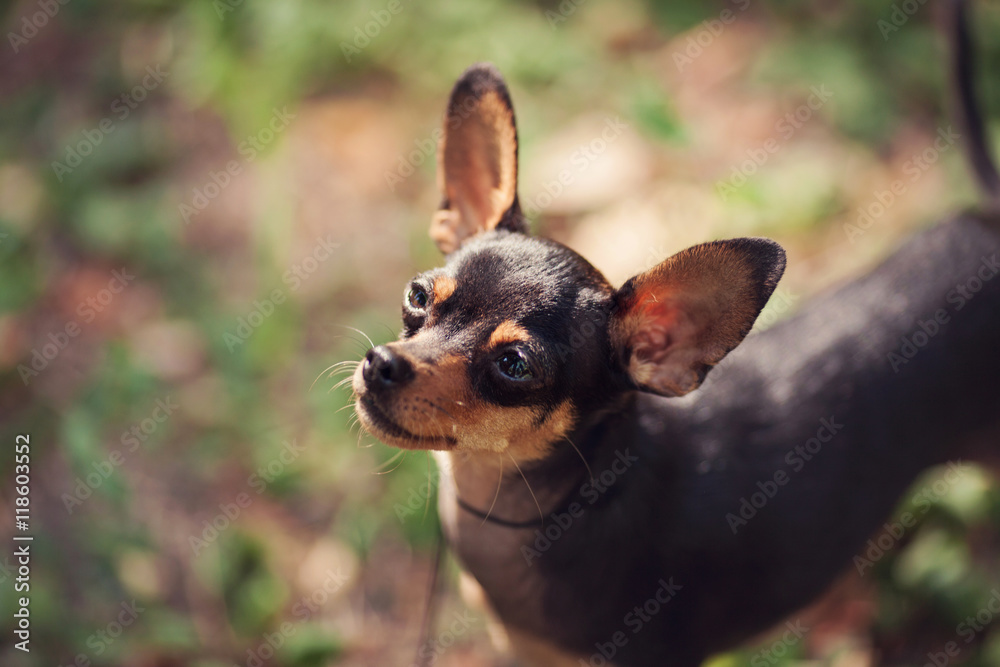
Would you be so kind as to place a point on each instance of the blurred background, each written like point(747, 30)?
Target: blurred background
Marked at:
point(201, 201)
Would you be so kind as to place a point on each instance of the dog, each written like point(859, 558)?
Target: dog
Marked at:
point(603, 506)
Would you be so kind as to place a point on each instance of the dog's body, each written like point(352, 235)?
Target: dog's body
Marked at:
point(651, 529)
point(815, 398)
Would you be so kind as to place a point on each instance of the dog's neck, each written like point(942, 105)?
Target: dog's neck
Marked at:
point(525, 494)
point(495, 488)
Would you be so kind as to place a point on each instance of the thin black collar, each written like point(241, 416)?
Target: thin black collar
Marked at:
point(530, 523)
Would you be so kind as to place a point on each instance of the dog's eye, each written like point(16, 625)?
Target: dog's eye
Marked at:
point(417, 297)
point(515, 366)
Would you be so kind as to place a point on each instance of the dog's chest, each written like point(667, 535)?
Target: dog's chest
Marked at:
point(495, 556)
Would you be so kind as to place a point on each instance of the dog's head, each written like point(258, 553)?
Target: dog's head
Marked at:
point(516, 338)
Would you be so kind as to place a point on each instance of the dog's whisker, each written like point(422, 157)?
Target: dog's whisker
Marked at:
point(367, 338)
point(430, 483)
point(590, 473)
point(361, 434)
point(435, 405)
point(333, 366)
point(341, 384)
point(497, 494)
point(401, 454)
point(541, 515)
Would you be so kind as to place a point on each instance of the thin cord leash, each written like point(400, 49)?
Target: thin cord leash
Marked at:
point(969, 114)
point(561, 507)
point(488, 518)
point(426, 658)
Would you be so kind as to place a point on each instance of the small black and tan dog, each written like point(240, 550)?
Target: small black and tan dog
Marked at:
point(603, 518)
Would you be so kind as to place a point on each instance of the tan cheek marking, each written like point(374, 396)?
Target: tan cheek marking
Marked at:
point(440, 396)
point(539, 441)
point(495, 429)
point(514, 430)
point(476, 425)
point(508, 332)
point(444, 287)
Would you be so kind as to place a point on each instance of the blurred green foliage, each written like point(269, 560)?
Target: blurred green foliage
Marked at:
point(230, 64)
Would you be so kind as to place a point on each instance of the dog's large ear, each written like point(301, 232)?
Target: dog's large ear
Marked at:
point(477, 161)
point(680, 318)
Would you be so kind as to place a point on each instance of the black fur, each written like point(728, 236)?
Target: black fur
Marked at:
point(667, 517)
point(831, 398)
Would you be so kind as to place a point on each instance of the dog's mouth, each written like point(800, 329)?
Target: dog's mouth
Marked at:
point(386, 429)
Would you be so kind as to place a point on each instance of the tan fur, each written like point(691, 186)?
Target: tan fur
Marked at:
point(477, 170)
point(508, 332)
point(447, 230)
point(686, 313)
point(440, 403)
point(444, 287)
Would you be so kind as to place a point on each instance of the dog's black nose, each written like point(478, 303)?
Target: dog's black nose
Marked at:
point(384, 368)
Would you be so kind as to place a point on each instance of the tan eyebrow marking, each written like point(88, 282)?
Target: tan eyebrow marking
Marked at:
point(444, 287)
point(508, 332)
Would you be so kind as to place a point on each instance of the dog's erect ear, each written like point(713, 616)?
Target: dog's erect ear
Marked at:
point(477, 161)
point(680, 318)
